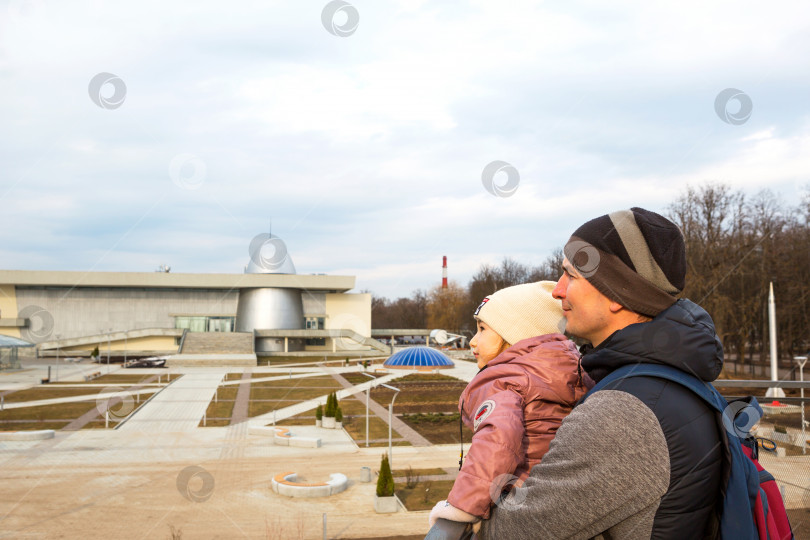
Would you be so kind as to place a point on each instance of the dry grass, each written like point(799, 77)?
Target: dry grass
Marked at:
point(31, 426)
point(131, 380)
point(48, 392)
point(421, 472)
point(357, 378)
point(425, 495)
point(269, 396)
point(55, 416)
point(219, 412)
point(61, 411)
point(355, 426)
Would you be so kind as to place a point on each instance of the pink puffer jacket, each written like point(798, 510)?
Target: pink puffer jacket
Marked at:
point(514, 407)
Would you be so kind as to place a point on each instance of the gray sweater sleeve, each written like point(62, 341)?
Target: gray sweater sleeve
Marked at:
point(606, 470)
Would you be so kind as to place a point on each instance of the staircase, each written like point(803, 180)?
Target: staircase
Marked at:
point(216, 349)
point(218, 343)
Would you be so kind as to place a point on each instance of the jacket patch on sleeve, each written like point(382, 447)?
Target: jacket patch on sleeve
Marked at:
point(483, 411)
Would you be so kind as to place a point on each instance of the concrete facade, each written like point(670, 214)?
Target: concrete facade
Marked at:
point(127, 313)
point(83, 311)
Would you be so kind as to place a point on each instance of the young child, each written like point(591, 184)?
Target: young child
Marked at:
point(530, 379)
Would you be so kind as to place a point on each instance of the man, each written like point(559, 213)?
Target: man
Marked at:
point(641, 458)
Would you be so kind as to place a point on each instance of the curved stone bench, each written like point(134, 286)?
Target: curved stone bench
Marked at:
point(27, 435)
point(283, 437)
point(287, 484)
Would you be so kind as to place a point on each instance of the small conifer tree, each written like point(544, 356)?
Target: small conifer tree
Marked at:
point(385, 481)
point(319, 412)
point(338, 415)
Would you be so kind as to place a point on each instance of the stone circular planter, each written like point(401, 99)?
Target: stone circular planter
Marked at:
point(338, 425)
point(318, 423)
point(328, 422)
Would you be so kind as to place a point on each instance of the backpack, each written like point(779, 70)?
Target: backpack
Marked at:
point(752, 506)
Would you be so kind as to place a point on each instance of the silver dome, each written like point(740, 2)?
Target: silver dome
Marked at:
point(268, 255)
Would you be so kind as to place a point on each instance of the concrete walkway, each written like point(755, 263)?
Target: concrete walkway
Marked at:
point(99, 396)
point(178, 407)
point(241, 404)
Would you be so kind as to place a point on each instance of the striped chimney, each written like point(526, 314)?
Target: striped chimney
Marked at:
point(444, 272)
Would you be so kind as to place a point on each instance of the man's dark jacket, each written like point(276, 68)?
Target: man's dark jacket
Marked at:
point(641, 458)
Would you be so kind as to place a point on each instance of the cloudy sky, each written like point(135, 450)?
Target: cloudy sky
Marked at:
point(363, 145)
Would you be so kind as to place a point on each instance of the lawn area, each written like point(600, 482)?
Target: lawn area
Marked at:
point(425, 495)
point(421, 472)
point(132, 380)
point(31, 426)
point(49, 392)
point(430, 392)
point(57, 390)
point(437, 428)
point(355, 426)
point(269, 396)
point(219, 412)
point(275, 360)
point(359, 378)
point(59, 415)
point(43, 414)
point(354, 422)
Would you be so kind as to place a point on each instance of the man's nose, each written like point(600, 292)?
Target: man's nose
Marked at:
point(559, 290)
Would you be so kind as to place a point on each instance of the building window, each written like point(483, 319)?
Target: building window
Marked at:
point(204, 323)
point(315, 323)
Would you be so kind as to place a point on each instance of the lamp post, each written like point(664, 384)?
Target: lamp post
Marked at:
point(802, 360)
point(57, 356)
point(368, 391)
point(125, 349)
point(391, 421)
point(109, 334)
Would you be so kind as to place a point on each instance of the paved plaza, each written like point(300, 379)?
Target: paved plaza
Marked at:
point(161, 472)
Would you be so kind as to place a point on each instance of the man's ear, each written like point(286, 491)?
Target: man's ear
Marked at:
point(615, 307)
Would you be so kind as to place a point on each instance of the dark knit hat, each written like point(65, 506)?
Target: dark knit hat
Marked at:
point(634, 257)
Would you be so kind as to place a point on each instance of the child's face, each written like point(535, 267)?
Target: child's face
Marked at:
point(486, 344)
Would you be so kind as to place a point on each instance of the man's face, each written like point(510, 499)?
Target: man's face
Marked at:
point(586, 310)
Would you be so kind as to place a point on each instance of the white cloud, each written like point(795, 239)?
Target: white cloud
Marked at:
point(367, 151)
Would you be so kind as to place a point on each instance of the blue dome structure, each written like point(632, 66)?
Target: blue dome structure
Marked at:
point(422, 358)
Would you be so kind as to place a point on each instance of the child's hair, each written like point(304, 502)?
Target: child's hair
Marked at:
point(522, 311)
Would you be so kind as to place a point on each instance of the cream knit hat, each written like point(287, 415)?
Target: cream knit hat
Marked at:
point(523, 311)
